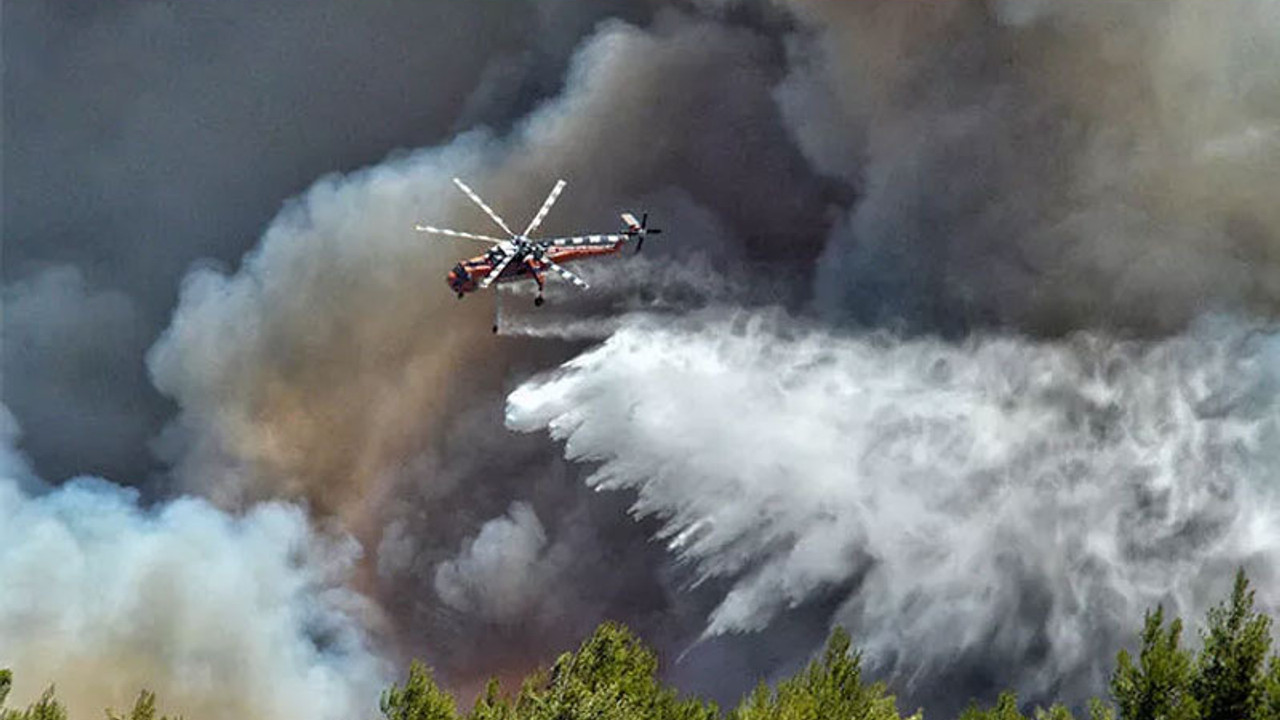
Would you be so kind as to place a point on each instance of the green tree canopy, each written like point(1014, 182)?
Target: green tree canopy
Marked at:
point(831, 687)
point(144, 708)
point(1229, 682)
point(612, 676)
point(46, 708)
point(1157, 687)
point(419, 699)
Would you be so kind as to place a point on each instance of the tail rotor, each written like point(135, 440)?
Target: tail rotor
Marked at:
point(639, 228)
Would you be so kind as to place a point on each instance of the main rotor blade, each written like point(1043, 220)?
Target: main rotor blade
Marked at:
point(488, 210)
point(564, 273)
point(583, 240)
point(493, 276)
point(546, 207)
point(457, 234)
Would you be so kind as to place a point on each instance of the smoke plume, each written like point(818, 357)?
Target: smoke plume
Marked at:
point(223, 616)
point(335, 368)
point(142, 137)
point(1045, 166)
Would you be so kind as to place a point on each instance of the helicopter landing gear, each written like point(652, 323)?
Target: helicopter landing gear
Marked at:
point(497, 308)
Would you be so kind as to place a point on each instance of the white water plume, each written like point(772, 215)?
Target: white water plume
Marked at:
point(1000, 503)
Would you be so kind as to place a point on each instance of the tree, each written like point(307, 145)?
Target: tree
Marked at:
point(419, 699)
point(491, 705)
point(613, 676)
point(1270, 708)
point(46, 708)
point(144, 708)
point(1229, 683)
point(1006, 708)
point(1099, 710)
point(828, 688)
point(1055, 712)
point(1159, 686)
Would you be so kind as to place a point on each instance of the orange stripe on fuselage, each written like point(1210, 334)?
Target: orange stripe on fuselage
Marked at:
point(569, 254)
point(478, 268)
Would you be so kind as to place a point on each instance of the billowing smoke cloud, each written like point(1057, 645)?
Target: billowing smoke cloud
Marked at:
point(502, 569)
point(335, 368)
point(64, 345)
point(141, 137)
point(224, 616)
point(996, 507)
point(1045, 165)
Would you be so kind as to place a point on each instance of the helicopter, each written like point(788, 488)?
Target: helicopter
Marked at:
point(521, 257)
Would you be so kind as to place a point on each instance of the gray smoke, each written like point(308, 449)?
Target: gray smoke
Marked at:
point(335, 368)
point(67, 346)
point(142, 137)
point(1046, 166)
point(502, 569)
point(224, 616)
point(998, 509)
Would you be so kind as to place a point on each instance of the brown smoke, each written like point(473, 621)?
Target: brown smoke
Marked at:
point(336, 368)
point(1049, 165)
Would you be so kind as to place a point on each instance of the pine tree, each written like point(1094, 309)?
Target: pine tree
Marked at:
point(144, 708)
point(1006, 708)
point(419, 699)
point(1270, 707)
point(611, 677)
point(491, 705)
point(828, 688)
point(1159, 686)
point(1099, 710)
point(46, 708)
point(1229, 682)
point(1055, 712)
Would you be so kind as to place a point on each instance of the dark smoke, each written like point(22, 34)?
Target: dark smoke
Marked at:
point(1047, 166)
point(140, 137)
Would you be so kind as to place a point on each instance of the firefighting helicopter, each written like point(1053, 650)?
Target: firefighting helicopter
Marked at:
point(520, 257)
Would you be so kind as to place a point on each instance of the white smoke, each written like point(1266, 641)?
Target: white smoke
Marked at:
point(223, 616)
point(995, 501)
point(503, 570)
